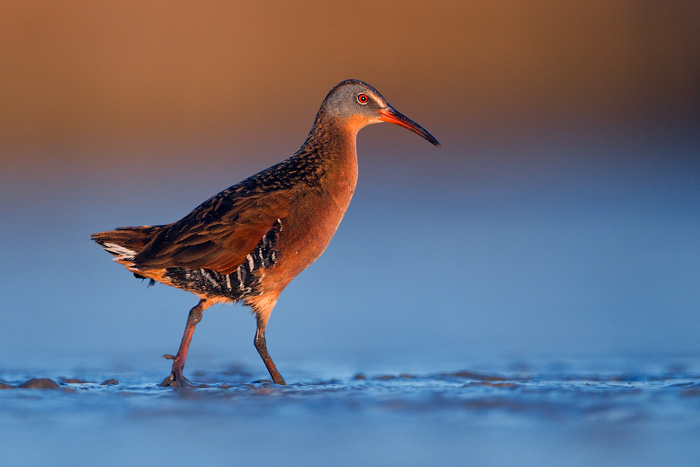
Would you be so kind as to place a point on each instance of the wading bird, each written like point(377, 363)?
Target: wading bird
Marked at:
point(248, 242)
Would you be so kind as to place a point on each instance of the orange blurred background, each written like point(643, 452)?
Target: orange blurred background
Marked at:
point(79, 77)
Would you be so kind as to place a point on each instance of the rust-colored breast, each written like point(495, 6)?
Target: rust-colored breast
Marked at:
point(249, 241)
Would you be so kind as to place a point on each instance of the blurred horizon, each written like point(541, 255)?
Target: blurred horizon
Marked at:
point(561, 213)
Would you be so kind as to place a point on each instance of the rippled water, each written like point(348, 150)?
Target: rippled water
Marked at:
point(544, 412)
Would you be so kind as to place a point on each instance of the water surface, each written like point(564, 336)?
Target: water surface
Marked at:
point(563, 411)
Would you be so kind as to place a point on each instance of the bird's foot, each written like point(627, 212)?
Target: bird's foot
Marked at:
point(176, 379)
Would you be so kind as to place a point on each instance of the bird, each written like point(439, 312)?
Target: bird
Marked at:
point(248, 242)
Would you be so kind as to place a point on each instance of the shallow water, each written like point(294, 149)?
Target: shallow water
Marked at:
point(542, 412)
point(579, 265)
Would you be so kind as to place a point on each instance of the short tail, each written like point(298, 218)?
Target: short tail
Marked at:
point(126, 242)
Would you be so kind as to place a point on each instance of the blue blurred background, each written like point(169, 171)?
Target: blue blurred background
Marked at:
point(561, 216)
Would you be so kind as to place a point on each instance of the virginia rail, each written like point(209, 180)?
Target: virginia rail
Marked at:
point(249, 241)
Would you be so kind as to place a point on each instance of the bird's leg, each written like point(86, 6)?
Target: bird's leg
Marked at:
point(261, 346)
point(176, 379)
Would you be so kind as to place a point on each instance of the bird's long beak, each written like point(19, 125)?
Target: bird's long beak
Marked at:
point(392, 115)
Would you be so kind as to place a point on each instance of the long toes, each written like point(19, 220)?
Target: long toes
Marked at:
point(174, 382)
point(168, 382)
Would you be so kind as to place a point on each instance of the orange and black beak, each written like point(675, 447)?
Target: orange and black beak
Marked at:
point(392, 115)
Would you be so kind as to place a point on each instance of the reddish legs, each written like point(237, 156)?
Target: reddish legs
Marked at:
point(261, 346)
point(176, 379)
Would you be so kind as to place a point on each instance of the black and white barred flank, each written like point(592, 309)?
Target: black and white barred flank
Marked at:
point(239, 284)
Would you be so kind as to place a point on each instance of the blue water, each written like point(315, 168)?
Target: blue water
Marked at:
point(573, 412)
point(542, 302)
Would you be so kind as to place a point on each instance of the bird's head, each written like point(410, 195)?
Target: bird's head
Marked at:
point(357, 104)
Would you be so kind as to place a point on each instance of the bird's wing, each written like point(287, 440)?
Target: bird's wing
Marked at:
point(217, 235)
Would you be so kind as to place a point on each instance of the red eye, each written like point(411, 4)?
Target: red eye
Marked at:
point(362, 99)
